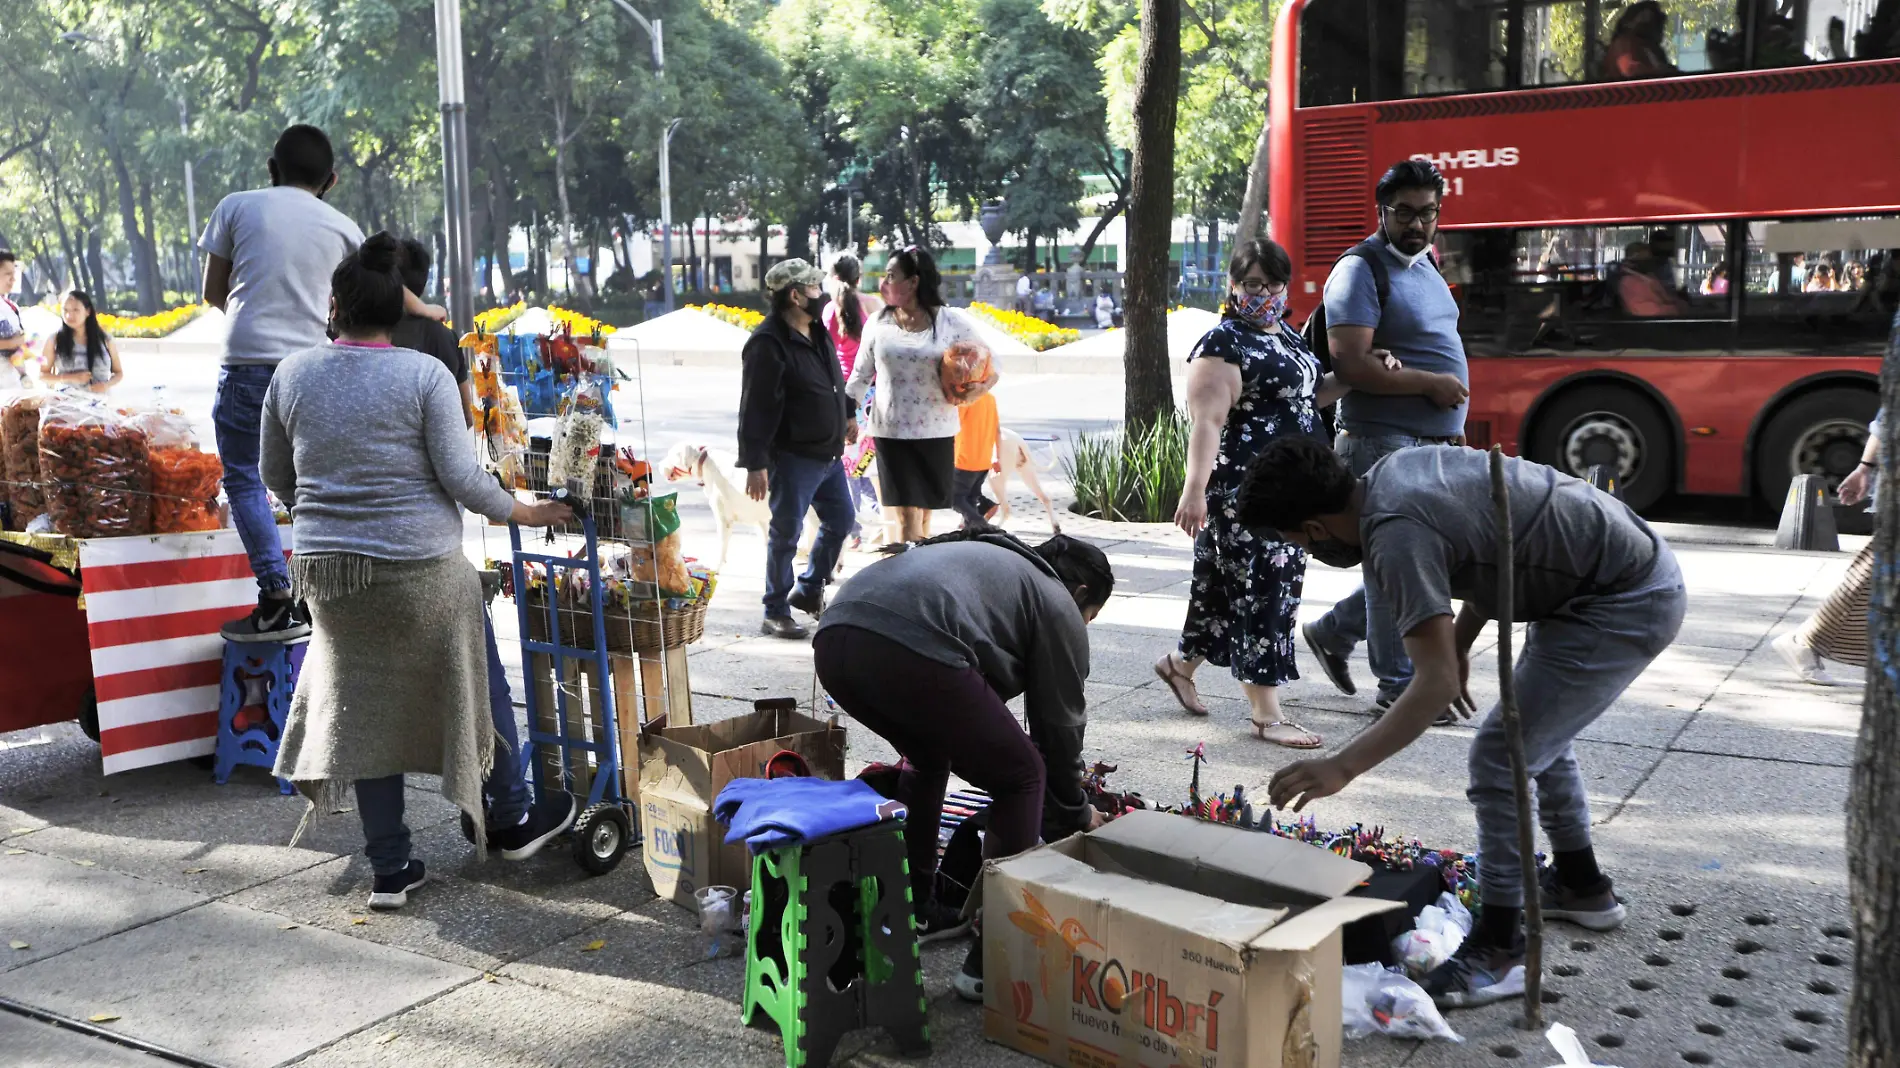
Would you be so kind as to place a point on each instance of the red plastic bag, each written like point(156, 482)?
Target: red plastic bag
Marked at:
point(969, 371)
point(20, 455)
point(95, 469)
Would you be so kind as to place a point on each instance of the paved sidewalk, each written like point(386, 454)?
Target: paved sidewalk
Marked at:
point(173, 905)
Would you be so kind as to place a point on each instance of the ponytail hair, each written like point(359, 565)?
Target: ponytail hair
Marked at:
point(368, 286)
point(1077, 564)
point(850, 305)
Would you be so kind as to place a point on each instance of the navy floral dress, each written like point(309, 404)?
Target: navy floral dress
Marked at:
point(1246, 590)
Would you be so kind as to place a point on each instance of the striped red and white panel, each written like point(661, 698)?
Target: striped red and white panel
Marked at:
point(154, 607)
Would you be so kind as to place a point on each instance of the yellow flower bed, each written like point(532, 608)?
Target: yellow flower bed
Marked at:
point(579, 325)
point(1027, 329)
point(494, 319)
point(150, 325)
point(743, 318)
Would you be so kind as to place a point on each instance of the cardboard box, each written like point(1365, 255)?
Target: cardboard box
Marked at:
point(682, 769)
point(1163, 941)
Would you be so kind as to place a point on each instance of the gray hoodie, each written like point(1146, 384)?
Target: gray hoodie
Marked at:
point(992, 604)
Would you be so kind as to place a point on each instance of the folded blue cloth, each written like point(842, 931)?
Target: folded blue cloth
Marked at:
point(775, 813)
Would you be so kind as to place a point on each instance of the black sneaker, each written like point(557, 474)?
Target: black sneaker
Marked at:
point(1331, 663)
point(968, 982)
point(1598, 909)
point(1447, 718)
point(1478, 974)
point(544, 820)
point(936, 923)
point(392, 891)
point(812, 603)
point(275, 619)
point(783, 627)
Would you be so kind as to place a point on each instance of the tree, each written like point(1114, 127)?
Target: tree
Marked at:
point(1148, 390)
point(1873, 806)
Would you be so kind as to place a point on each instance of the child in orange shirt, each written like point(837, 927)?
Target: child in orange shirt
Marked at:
point(976, 458)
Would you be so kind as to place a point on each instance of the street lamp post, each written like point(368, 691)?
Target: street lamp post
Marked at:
point(656, 33)
point(460, 269)
point(666, 208)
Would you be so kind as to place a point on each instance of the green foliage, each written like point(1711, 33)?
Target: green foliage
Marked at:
point(1133, 477)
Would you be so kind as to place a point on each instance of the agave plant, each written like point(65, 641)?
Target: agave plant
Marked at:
point(1131, 478)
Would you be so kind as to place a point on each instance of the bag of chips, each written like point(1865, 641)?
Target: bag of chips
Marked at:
point(20, 446)
point(96, 470)
point(969, 371)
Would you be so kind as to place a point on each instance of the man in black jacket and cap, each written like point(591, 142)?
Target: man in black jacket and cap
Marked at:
point(794, 422)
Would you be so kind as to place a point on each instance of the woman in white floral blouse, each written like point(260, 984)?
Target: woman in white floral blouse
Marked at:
point(915, 426)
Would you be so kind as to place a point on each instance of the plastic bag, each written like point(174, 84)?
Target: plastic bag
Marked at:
point(1437, 933)
point(20, 446)
point(185, 480)
point(95, 469)
point(1387, 1003)
point(662, 565)
point(969, 371)
point(576, 448)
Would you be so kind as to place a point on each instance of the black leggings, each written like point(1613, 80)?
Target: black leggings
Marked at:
point(942, 719)
point(970, 501)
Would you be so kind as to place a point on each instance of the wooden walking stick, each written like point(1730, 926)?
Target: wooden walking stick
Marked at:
point(1520, 768)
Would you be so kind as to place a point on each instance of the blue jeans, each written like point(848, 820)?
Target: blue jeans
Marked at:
point(1360, 617)
point(1572, 667)
point(379, 802)
point(798, 484)
point(861, 491)
point(236, 414)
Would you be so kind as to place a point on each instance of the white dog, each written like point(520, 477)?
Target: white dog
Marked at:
point(1017, 460)
point(725, 492)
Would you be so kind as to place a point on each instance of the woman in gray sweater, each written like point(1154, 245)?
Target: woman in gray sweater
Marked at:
point(924, 649)
point(366, 442)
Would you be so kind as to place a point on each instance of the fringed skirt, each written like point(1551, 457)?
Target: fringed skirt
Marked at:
point(1838, 629)
point(395, 680)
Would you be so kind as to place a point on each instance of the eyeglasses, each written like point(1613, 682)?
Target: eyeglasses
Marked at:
point(1406, 216)
point(1254, 289)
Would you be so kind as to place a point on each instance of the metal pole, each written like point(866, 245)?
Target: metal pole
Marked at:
point(850, 245)
point(459, 272)
point(666, 210)
point(1514, 741)
point(191, 196)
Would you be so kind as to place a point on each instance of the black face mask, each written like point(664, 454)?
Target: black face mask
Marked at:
point(815, 307)
point(1335, 553)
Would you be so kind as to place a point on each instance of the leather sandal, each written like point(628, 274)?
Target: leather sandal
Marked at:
point(1181, 684)
point(1301, 737)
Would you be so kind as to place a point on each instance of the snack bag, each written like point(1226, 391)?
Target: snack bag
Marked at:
point(20, 445)
point(96, 471)
point(185, 481)
point(969, 371)
point(576, 448)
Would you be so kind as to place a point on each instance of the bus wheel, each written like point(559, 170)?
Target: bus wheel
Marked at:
point(1618, 428)
point(1819, 433)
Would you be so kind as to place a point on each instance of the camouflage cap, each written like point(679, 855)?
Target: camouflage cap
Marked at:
point(792, 273)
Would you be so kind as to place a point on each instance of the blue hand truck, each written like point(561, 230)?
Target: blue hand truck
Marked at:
point(606, 825)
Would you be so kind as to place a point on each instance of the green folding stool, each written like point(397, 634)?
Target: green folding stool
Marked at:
point(831, 947)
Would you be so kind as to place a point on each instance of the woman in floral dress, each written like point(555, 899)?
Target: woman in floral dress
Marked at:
point(1250, 380)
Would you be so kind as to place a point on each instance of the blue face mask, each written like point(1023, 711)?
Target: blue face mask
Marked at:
point(1260, 309)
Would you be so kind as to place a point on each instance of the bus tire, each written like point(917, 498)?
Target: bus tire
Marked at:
point(1614, 426)
point(1818, 433)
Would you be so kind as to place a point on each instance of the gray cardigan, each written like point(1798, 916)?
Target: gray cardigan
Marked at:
point(368, 447)
point(991, 604)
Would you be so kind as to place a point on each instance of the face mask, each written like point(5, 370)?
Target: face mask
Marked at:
point(1260, 309)
point(1335, 553)
point(815, 306)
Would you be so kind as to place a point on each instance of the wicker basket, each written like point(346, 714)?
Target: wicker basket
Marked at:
point(626, 633)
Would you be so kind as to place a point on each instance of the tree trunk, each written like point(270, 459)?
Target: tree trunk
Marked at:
point(1873, 802)
point(498, 217)
point(144, 264)
point(151, 232)
point(1087, 248)
point(1253, 205)
point(570, 262)
point(1148, 391)
point(96, 263)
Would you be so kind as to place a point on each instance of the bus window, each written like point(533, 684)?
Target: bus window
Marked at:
point(1454, 47)
point(1822, 285)
point(1791, 33)
point(1655, 38)
point(1351, 51)
point(1589, 288)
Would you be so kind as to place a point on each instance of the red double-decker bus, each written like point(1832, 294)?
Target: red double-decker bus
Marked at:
point(1671, 229)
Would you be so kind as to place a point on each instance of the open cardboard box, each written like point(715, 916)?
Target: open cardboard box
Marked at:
point(1163, 941)
point(682, 770)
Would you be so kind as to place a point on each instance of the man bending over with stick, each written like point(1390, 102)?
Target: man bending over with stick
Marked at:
point(1601, 592)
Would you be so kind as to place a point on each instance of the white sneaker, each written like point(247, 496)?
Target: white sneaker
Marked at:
point(1803, 661)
